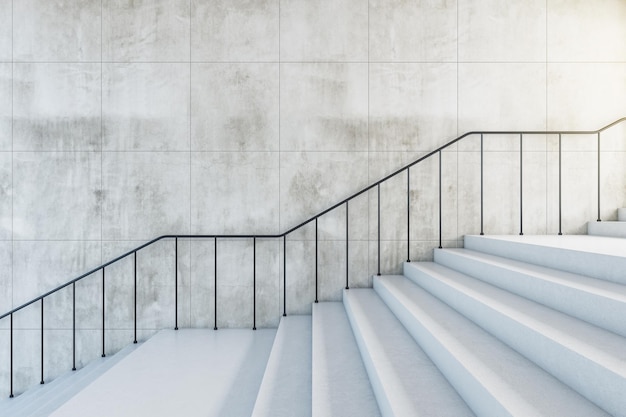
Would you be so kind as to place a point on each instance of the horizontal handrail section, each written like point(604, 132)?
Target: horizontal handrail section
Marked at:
point(283, 236)
point(320, 214)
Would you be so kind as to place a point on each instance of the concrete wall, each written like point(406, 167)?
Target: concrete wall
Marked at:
point(123, 120)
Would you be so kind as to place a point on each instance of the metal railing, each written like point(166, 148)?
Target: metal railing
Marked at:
point(217, 237)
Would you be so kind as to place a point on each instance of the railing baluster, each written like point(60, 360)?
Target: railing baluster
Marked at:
point(135, 291)
point(103, 317)
point(215, 284)
point(599, 217)
point(560, 217)
point(378, 189)
point(440, 219)
point(521, 188)
point(284, 275)
point(42, 369)
point(347, 249)
point(11, 354)
point(408, 214)
point(74, 326)
point(254, 283)
point(176, 284)
point(316, 240)
point(481, 186)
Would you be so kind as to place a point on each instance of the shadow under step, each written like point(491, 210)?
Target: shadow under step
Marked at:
point(341, 386)
point(285, 390)
point(590, 360)
point(492, 378)
point(405, 381)
point(599, 302)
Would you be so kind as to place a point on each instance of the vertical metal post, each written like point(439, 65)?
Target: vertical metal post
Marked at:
point(42, 381)
point(560, 214)
point(481, 186)
point(215, 284)
point(408, 214)
point(176, 284)
point(254, 283)
point(378, 188)
point(599, 217)
point(347, 249)
point(521, 188)
point(316, 260)
point(11, 354)
point(440, 218)
point(74, 326)
point(284, 275)
point(103, 351)
point(135, 291)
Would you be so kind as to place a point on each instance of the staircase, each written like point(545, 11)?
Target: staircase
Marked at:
point(507, 326)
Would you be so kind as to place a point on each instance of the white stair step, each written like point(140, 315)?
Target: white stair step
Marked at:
point(46, 403)
point(589, 359)
point(612, 229)
point(621, 215)
point(404, 379)
point(491, 377)
point(599, 302)
point(340, 383)
point(286, 387)
point(594, 256)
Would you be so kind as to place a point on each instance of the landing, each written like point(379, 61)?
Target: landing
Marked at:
point(192, 372)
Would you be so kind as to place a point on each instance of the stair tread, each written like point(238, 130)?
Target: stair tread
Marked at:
point(407, 381)
point(595, 286)
point(340, 383)
point(286, 386)
point(603, 347)
point(599, 257)
point(516, 384)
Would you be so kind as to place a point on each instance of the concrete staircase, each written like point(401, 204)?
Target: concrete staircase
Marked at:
point(506, 326)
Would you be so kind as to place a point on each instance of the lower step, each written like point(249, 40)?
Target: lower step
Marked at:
point(341, 387)
point(404, 379)
point(286, 387)
point(610, 229)
point(492, 378)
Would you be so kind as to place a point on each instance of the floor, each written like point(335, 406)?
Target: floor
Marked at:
point(192, 372)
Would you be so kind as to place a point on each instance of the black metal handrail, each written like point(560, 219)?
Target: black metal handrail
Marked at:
point(283, 235)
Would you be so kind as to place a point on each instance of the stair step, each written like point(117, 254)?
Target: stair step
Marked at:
point(492, 378)
point(405, 381)
point(589, 359)
point(285, 390)
point(621, 215)
point(43, 404)
point(611, 229)
point(340, 383)
point(594, 256)
point(599, 302)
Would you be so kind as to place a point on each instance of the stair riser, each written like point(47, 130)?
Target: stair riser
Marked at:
point(598, 384)
point(621, 215)
point(601, 311)
point(610, 229)
point(610, 268)
point(471, 390)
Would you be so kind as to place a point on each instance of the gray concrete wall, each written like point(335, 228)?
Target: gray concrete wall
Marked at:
point(124, 120)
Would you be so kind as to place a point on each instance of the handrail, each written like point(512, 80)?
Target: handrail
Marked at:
point(318, 215)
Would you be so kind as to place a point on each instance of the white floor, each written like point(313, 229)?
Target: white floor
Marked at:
point(193, 372)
